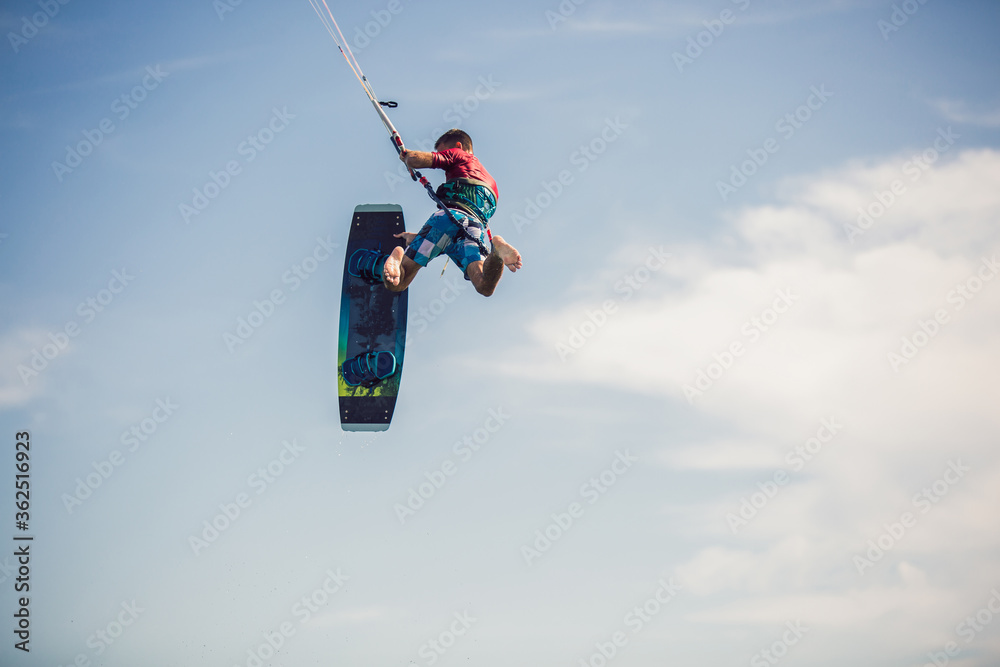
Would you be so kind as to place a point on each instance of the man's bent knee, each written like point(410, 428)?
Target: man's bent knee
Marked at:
point(482, 286)
point(485, 290)
point(475, 274)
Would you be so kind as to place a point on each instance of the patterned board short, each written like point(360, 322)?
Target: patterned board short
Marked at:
point(439, 235)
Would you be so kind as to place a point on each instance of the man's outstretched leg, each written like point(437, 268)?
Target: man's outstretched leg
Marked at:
point(485, 274)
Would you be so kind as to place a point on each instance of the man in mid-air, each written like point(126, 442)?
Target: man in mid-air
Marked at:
point(461, 233)
point(470, 194)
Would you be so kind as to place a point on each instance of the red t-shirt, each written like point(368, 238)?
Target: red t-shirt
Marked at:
point(459, 164)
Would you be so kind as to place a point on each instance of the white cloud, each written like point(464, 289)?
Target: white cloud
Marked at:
point(351, 616)
point(684, 17)
point(723, 455)
point(814, 316)
point(16, 353)
point(847, 306)
point(135, 75)
point(677, 20)
point(958, 111)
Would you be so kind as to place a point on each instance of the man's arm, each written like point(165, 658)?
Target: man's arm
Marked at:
point(417, 159)
point(406, 236)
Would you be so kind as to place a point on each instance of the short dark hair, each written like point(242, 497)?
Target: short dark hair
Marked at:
point(455, 135)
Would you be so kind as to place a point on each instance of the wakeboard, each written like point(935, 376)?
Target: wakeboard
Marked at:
point(372, 326)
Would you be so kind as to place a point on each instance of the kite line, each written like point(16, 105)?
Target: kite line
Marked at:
point(331, 26)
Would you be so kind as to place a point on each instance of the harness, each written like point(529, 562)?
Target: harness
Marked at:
point(474, 198)
point(470, 196)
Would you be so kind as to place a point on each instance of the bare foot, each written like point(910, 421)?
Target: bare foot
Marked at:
point(391, 273)
point(508, 253)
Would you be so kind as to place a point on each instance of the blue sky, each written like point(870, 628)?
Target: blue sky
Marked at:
point(737, 408)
